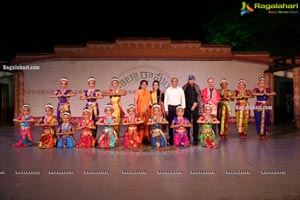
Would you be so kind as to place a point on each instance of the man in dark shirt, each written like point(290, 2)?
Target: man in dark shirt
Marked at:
point(193, 106)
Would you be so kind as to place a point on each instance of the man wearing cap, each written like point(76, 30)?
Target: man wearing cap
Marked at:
point(192, 94)
point(211, 95)
point(174, 96)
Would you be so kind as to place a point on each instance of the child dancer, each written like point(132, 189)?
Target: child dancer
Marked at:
point(86, 125)
point(25, 135)
point(109, 137)
point(48, 122)
point(262, 110)
point(158, 138)
point(63, 95)
point(224, 109)
point(65, 132)
point(115, 94)
point(131, 136)
point(242, 108)
point(207, 135)
point(91, 95)
point(180, 123)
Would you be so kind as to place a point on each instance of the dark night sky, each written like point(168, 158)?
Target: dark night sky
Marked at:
point(31, 27)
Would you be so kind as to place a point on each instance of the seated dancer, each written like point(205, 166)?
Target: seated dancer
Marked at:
point(86, 125)
point(25, 135)
point(179, 124)
point(109, 137)
point(207, 135)
point(48, 122)
point(158, 138)
point(65, 132)
point(131, 136)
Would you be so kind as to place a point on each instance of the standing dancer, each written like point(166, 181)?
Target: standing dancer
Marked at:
point(242, 108)
point(224, 109)
point(91, 95)
point(63, 95)
point(262, 110)
point(115, 94)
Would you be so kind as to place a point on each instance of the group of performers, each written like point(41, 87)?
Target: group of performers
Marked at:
point(146, 119)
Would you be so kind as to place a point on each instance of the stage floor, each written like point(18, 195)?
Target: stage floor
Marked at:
point(250, 169)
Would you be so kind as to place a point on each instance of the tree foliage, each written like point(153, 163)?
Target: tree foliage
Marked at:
point(277, 33)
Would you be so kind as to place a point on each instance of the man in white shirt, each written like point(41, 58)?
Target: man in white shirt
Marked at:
point(174, 96)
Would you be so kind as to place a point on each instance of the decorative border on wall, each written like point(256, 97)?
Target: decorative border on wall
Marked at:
point(50, 91)
point(232, 120)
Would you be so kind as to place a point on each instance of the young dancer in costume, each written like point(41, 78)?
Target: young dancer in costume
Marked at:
point(207, 135)
point(131, 136)
point(65, 132)
point(91, 95)
point(242, 108)
point(158, 138)
point(109, 138)
point(63, 95)
point(179, 124)
point(25, 120)
point(262, 110)
point(86, 125)
point(115, 94)
point(224, 108)
point(48, 122)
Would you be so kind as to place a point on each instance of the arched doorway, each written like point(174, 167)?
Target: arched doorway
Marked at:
point(284, 105)
point(7, 98)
